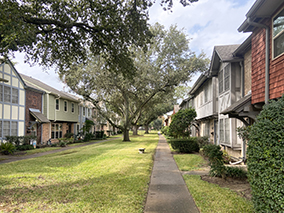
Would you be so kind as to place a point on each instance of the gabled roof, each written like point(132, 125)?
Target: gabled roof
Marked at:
point(220, 54)
point(243, 48)
point(260, 10)
point(36, 84)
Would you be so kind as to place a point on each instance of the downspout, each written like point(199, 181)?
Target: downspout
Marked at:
point(242, 79)
point(243, 94)
point(266, 56)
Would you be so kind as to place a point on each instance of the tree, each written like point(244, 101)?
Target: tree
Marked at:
point(62, 33)
point(157, 124)
point(167, 63)
point(181, 122)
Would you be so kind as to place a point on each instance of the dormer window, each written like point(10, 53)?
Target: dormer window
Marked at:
point(278, 34)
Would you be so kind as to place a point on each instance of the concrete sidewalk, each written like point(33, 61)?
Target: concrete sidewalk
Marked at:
point(168, 192)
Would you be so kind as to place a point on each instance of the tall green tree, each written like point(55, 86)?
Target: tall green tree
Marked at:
point(167, 63)
point(63, 32)
point(181, 122)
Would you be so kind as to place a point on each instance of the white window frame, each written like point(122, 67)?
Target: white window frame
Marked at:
point(65, 106)
point(57, 99)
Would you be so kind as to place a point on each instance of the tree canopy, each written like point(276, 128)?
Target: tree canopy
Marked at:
point(62, 33)
point(181, 122)
point(167, 62)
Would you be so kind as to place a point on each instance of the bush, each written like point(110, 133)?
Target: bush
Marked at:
point(62, 144)
point(54, 144)
point(7, 148)
point(25, 147)
point(165, 130)
point(185, 145)
point(236, 172)
point(215, 155)
point(20, 140)
point(88, 137)
point(265, 158)
point(69, 135)
point(202, 141)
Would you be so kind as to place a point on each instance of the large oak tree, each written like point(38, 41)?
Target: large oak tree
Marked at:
point(167, 62)
point(63, 32)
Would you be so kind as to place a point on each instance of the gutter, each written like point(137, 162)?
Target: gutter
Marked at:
point(266, 55)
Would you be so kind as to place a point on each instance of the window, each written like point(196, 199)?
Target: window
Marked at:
point(224, 79)
point(90, 113)
point(15, 96)
point(221, 131)
point(225, 131)
point(6, 128)
point(7, 94)
point(56, 131)
point(14, 128)
point(1, 93)
point(65, 106)
point(227, 78)
point(72, 107)
point(278, 34)
point(0, 129)
point(206, 93)
point(84, 111)
point(57, 104)
point(206, 130)
point(220, 79)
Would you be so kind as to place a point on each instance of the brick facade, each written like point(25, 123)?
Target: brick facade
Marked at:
point(34, 101)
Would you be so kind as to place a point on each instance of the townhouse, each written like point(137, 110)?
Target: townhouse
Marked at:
point(55, 116)
point(12, 101)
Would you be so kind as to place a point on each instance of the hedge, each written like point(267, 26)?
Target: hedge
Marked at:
point(185, 145)
point(265, 158)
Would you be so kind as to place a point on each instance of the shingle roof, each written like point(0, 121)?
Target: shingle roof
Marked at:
point(237, 105)
point(225, 52)
point(36, 84)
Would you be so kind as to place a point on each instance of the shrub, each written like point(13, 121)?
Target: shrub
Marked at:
point(69, 135)
point(25, 147)
point(20, 140)
point(215, 155)
point(236, 172)
point(265, 158)
point(7, 148)
point(88, 137)
point(185, 145)
point(54, 144)
point(202, 141)
point(165, 130)
point(62, 144)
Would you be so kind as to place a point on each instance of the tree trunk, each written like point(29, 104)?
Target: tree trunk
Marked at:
point(146, 129)
point(135, 130)
point(126, 135)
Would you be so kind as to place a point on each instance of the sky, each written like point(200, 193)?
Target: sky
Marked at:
point(207, 23)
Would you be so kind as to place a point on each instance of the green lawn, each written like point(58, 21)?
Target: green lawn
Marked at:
point(190, 162)
point(106, 177)
point(210, 198)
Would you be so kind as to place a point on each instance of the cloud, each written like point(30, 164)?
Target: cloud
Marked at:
point(208, 23)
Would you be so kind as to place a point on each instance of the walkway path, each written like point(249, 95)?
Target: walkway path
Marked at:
point(12, 158)
point(168, 192)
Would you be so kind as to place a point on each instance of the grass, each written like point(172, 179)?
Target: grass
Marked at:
point(210, 198)
point(106, 177)
point(188, 162)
